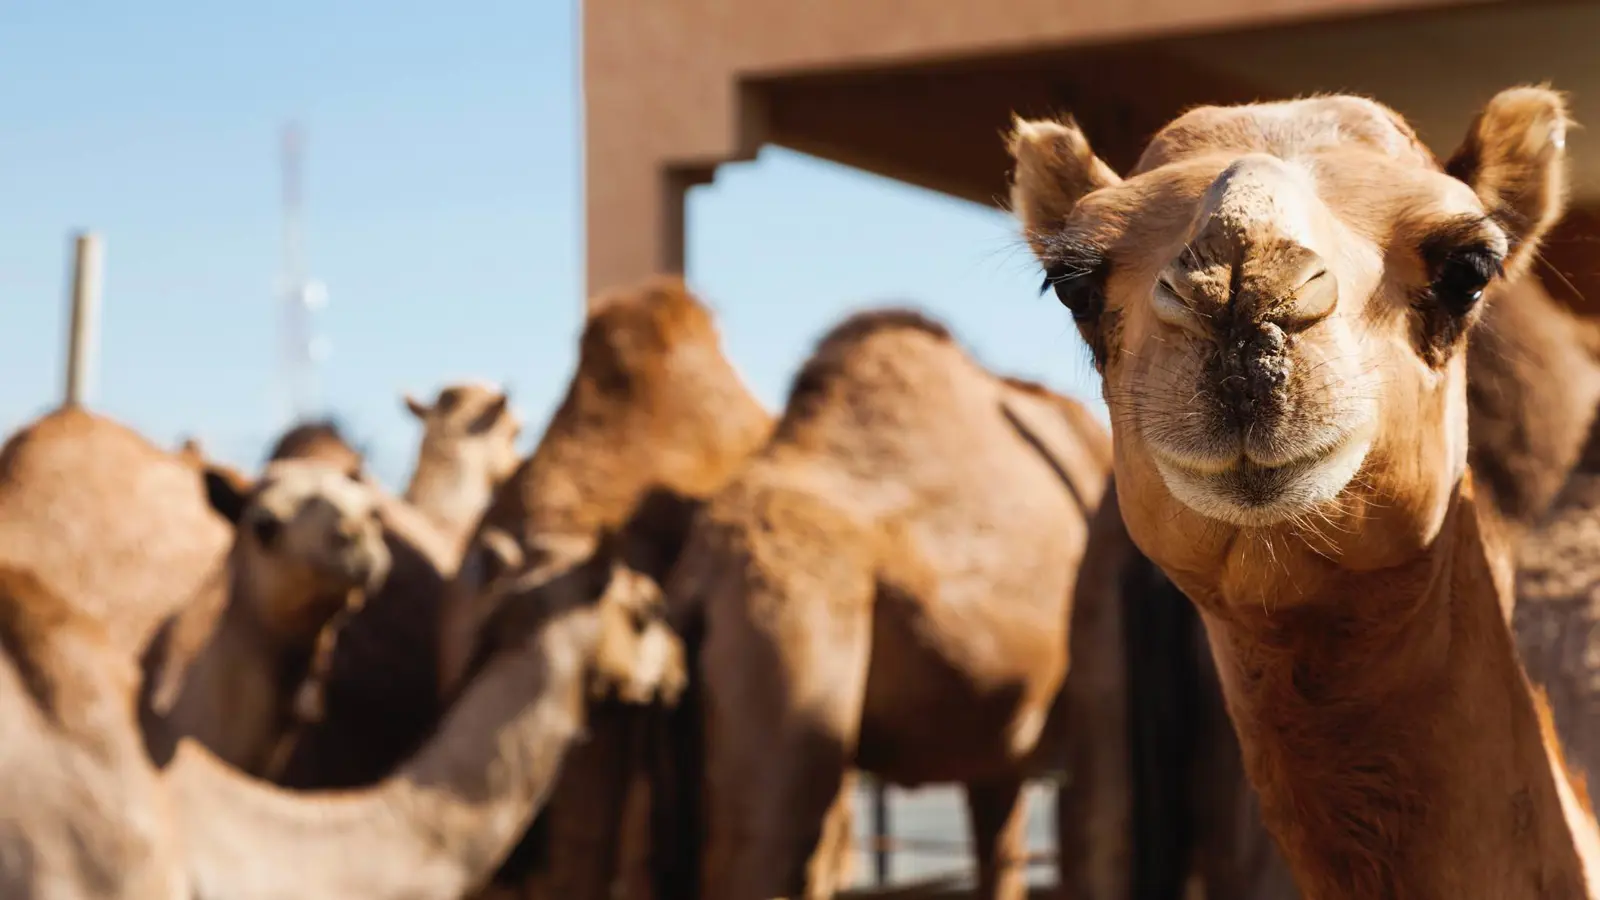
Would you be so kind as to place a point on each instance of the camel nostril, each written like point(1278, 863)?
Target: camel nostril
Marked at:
point(1252, 371)
point(1313, 301)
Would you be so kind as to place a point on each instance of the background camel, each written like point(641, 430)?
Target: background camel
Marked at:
point(308, 547)
point(369, 705)
point(379, 693)
point(1258, 230)
point(886, 584)
point(107, 521)
point(654, 418)
point(469, 446)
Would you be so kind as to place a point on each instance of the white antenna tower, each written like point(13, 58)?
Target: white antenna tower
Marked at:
point(301, 348)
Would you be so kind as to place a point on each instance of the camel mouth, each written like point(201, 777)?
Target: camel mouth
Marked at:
point(361, 567)
point(1251, 494)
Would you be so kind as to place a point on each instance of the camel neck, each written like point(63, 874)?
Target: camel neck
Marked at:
point(449, 492)
point(235, 697)
point(437, 827)
point(1393, 737)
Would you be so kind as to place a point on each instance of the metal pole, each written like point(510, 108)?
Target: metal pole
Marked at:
point(880, 831)
point(83, 329)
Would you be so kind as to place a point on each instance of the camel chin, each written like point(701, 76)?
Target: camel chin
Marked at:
point(1250, 495)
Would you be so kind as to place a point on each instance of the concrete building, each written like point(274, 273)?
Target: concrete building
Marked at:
point(921, 90)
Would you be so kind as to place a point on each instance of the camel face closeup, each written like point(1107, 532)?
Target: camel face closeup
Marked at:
point(308, 536)
point(1277, 299)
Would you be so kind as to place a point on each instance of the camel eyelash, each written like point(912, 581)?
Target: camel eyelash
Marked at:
point(1079, 285)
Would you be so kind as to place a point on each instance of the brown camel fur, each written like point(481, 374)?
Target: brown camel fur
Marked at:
point(654, 418)
point(469, 446)
point(885, 585)
point(108, 521)
point(1277, 299)
point(1558, 608)
point(85, 815)
point(319, 439)
point(308, 548)
point(1176, 804)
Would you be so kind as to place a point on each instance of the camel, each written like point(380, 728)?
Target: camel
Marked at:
point(376, 697)
point(654, 420)
point(885, 586)
point(107, 521)
point(1277, 299)
point(308, 547)
point(469, 446)
point(369, 701)
point(1143, 820)
point(85, 814)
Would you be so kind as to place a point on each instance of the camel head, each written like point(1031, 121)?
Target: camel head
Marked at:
point(471, 426)
point(1277, 299)
point(636, 655)
point(309, 541)
point(321, 440)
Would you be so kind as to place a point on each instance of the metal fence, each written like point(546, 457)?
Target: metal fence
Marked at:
point(910, 838)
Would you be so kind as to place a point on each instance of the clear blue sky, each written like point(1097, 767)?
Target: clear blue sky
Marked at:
point(443, 210)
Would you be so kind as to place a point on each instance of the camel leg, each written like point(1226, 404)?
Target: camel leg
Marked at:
point(1094, 808)
point(998, 811)
point(634, 876)
point(832, 866)
point(784, 670)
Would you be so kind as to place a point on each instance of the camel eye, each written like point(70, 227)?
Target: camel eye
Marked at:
point(1461, 277)
point(266, 528)
point(1078, 287)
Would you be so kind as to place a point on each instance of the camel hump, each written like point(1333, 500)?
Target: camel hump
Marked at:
point(635, 324)
point(901, 338)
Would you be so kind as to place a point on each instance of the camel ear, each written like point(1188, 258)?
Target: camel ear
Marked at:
point(417, 407)
point(1055, 168)
point(227, 496)
point(1514, 157)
